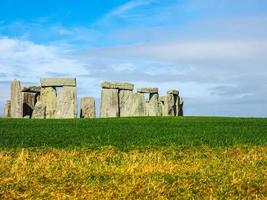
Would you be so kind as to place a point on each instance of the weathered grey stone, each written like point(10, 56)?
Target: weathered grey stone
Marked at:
point(16, 100)
point(7, 110)
point(138, 105)
point(57, 82)
point(148, 90)
point(27, 117)
point(180, 111)
point(49, 99)
point(153, 105)
point(32, 89)
point(39, 111)
point(164, 106)
point(117, 85)
point(87, 107)
point(29, 100)
point(66, 103)
point(125, 102)
point(109, 103)
point(174, 92)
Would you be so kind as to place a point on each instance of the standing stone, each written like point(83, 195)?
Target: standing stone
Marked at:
point(181, 104)
point(66, 103)
point(39, 110)
point(171, 104)
point(7, 110)
point(16, 100)
point(87, 107)
point(138, 105)
point(164, 106)
point(153, 105)
point(125, 102)
point(109, 103)
point(29, 100)
point(49, 99)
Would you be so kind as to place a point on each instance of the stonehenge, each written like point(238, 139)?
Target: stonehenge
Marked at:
point(56, 98)
point(119, 100)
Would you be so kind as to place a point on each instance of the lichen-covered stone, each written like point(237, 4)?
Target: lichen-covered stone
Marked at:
point(39, 111)
point(49, 99)
point(16, 100)
point(32, 89)
point(109, 103)
point(138, 105)
point(125, 103)
point(148, 90)
point(57, 82)
point(7, 110)
point(180, 103)
point(174, 92)
point(153, 105)
point(66, 103)
point(87, 107)
point(117, 85)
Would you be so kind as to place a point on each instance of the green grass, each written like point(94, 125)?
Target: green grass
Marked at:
point(128, 133)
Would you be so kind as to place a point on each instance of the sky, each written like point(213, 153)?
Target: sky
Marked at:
point(213, 52)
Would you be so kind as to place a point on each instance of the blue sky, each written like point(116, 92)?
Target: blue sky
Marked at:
point(214, 52)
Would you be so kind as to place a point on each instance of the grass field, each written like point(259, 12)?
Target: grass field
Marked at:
point(134, 158)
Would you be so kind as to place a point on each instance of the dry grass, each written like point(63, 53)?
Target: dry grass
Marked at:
point(108, 173)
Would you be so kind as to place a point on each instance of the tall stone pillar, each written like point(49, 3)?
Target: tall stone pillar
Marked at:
point(109, 103)
point(7, 110)
point(49, 99)
point(180, 107)
point(66, 105)
point(16, 100)
point(87, 107)
point(125, 101)
point(172, 97)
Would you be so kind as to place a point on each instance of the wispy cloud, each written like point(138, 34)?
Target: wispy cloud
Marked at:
point(129, 6)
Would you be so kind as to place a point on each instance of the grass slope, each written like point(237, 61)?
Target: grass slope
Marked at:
point(134, 158)
point(127, 133)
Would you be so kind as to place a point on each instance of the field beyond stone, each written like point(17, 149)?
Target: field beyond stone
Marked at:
point(134, 158)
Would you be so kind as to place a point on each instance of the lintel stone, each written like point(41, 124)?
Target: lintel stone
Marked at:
point(117, 85)
point(32, 89)
point(148, 90)
point(175, 92)
point(57, 82)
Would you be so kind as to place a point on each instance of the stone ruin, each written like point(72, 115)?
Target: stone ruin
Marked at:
point(57, 98)
point(119, 100)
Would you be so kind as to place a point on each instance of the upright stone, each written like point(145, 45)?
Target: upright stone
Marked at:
point(109, 103)
point(87, 107)
point(138, 105)
point(181, 109)
point(164, 106)
point(16, 100)
point(125, 102)
point(29, 100)
point(49, 99)
point(7, 110)
point(39, 110)
point(153, 105)
point(66, 103)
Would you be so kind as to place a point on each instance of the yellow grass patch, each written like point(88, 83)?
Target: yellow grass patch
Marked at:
point(108, 173)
